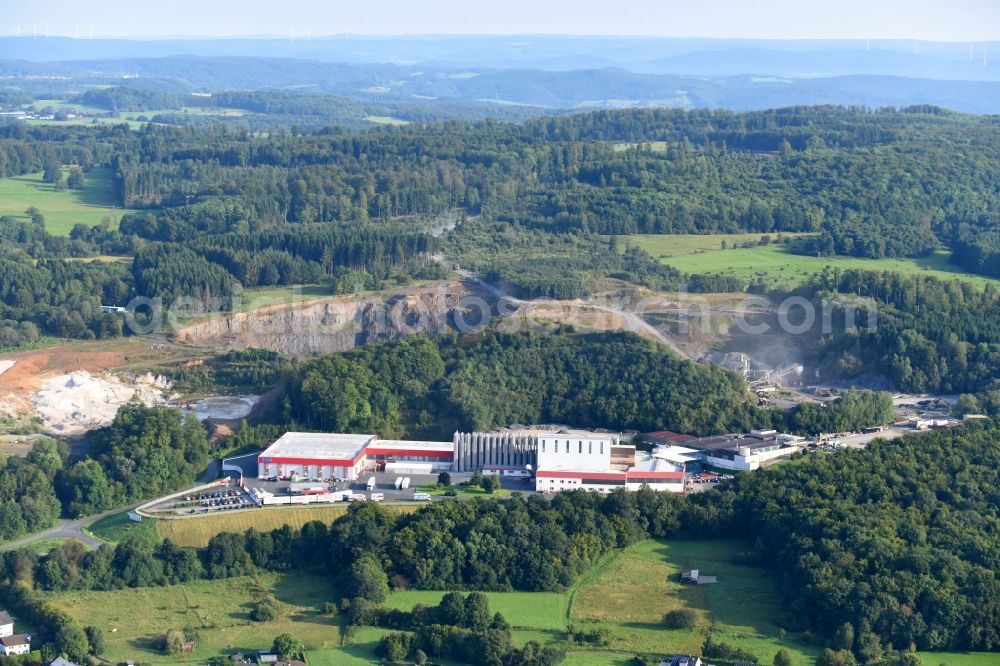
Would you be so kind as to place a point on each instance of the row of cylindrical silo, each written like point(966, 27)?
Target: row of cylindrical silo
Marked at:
point(475, 450)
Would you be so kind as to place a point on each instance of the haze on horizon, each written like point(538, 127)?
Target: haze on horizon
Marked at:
point(928, 20)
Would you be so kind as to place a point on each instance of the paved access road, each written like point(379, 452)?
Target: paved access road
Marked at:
point(73, 529)
point(67, 529)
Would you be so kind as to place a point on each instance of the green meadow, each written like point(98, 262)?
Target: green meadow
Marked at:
point(775, 263)
point(626, 595)
point(219, 610)
point(62, 208)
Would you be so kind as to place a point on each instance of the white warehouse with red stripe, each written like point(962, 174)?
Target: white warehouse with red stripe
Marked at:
point(329, 456)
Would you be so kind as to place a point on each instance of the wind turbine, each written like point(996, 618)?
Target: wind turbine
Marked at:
point(76, 31)
point(34, 31)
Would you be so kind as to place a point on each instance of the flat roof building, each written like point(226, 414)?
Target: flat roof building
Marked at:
point(741, 452)
point(331, 456)
point(600, 463)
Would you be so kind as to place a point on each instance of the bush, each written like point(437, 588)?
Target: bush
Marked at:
point(264, 610)
point(725, 651)
point(393, 647)
point(286, 647)
point(490, 483)
point(172, 642)
point(680, 618)
point(783, 658)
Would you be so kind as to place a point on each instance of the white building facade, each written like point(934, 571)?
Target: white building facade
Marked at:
point(15, 644)
point(600, 463)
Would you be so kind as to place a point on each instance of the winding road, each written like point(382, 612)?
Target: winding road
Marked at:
point(64, 529)
point(633, 322)
point(74, 529)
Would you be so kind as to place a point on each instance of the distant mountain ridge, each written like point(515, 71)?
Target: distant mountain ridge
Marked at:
point(715, 57)
point(545, 91)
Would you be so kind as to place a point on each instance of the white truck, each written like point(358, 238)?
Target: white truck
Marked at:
point(406, 483)
point(422, 497)
point(399, 482)
point(371, 484)
point(356, 497)
point(377, 497)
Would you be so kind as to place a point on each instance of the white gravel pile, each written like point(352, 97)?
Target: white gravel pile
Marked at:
point(79, 401)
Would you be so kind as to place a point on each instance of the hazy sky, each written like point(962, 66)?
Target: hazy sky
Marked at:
point(943, 20)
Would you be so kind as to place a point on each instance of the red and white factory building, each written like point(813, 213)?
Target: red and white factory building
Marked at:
point(330, 456)
point(601, 463)
point(557, 461)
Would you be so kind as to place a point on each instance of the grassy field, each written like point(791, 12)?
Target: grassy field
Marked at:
point(775, 263)
point(530, 610)
point(62, 208)
point(259, 297)
point(959, 658)
point(115, 527)
point(626, 594)
point(462, 491)
point(195, 532)
point(133, 619)
point(386, 120)
point(629, 595)
point(43, 546)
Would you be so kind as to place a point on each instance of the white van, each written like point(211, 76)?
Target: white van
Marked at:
point(422, 497)
point(356, 497)
point(377, 497)
point(371, 484)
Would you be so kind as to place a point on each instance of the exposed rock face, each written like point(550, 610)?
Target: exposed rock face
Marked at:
point(338, 323)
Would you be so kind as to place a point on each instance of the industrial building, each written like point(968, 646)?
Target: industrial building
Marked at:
point(557, 461)
point(600, 463)
point(494, 450)
point(738, 452)
point(330, 456)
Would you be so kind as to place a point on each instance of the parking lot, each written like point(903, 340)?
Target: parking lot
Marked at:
point(213, 500)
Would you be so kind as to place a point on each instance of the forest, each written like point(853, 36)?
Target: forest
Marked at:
point(924, 334)
point(220, 206)
point(433, 387)
point(617, 380)
point(145, 452)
